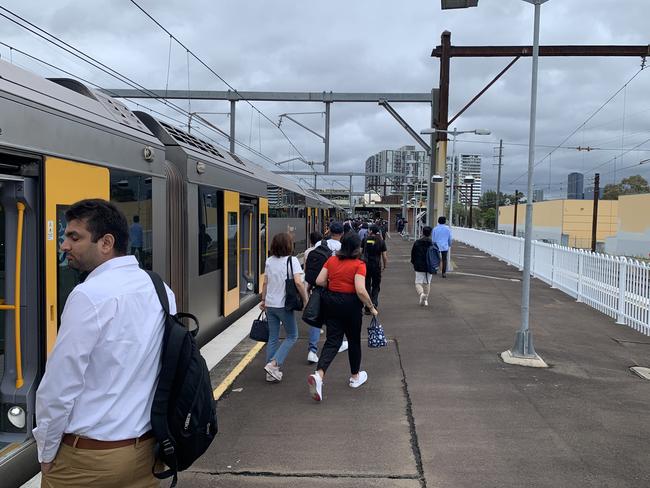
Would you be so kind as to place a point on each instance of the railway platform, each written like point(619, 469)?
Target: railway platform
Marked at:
point(440, 408)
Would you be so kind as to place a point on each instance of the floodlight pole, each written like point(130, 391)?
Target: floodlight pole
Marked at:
point(523, 346)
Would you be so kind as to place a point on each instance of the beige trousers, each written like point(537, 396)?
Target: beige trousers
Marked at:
point(422, 288)
point(124, 467)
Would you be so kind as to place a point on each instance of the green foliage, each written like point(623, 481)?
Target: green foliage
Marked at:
point(632, 185)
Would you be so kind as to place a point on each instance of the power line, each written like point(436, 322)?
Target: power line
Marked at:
point(205, 65)
point(584, 123)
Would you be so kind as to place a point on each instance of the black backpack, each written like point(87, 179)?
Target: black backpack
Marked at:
point(184, 411)
point(315, 261)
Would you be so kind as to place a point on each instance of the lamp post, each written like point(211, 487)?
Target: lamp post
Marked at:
point(523, 351)
point(469, 180)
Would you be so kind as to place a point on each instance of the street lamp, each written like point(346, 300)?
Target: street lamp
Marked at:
point(469, 180)
point(523, 351)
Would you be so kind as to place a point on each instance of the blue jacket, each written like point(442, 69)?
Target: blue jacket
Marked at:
point(441, 236)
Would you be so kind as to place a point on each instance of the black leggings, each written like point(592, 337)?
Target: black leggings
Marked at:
point(342, 316)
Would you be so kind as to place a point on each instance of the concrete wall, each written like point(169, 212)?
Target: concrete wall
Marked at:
point(633, 227)
point(563, 221)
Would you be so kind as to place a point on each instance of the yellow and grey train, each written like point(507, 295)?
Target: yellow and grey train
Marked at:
point(206, 217)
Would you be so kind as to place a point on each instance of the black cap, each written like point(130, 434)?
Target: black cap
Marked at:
point(336, 228)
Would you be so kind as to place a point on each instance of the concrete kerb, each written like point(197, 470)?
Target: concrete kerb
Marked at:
point(532, 362)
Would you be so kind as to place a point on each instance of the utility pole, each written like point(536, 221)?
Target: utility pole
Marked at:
point(594, 224)
point(496, 205)
point(514, 226)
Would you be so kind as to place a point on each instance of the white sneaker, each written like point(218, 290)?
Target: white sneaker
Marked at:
point(363, 377)
point(271, 379)
point(273, 371)
point(312, 357)
point(315, 383)
point(422, 299)
point(344, 346)
point(426, 302)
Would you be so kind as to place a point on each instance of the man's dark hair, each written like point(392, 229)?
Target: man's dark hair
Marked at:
point(374, 229)
point(101, 218)
point(426, 231)
point(136, 218)
point(282, 245)
point(315, 237)
point(442, 220)
point(350, 246)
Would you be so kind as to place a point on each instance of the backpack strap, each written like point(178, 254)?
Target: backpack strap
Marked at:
point(170, 355)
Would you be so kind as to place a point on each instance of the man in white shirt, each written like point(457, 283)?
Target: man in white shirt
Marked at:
point(93, 406)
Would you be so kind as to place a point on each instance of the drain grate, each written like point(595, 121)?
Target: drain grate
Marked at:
point(641, 372)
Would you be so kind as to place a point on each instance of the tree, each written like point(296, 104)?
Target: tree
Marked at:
point(632, 185)
point(488, 199)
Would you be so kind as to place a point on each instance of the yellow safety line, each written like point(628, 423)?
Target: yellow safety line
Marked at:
point(232, 376)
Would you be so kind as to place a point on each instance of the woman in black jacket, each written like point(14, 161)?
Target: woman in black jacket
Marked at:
point(419, 262)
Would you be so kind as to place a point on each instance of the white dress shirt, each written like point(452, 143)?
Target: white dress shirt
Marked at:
point(102, 373)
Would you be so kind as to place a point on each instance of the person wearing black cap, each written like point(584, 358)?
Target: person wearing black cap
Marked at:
point(375, 255)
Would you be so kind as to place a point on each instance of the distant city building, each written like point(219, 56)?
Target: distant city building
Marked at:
point(589, 193)
point(575, 186)
point(405, 162)
point(538, 195)
point(466, 165)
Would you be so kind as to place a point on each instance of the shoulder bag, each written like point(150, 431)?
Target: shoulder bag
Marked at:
point(293, 300)
point(260, 329)
point(376, 336)
point(312, 314)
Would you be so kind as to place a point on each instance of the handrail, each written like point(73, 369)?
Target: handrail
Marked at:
point(16, 306)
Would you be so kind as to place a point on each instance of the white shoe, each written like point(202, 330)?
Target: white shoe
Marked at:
point(315, 383)
point(422, 299)
point(363, 377)
point(312, 357)
point(273, 371)
point(426, 302)
point(344, 346)
point(271, 379)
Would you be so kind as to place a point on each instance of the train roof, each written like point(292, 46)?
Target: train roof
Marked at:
point(74, 98)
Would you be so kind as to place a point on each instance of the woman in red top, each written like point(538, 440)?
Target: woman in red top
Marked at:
point(344, 275)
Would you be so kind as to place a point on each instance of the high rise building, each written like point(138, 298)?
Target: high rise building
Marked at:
point(538, 195)
point(466, 165)
point(575, 186)
point(405, 162)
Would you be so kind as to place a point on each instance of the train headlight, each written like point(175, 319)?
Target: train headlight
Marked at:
point(148, 154)
point(16, 416)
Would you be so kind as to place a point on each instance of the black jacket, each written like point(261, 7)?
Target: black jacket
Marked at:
point(419, 254)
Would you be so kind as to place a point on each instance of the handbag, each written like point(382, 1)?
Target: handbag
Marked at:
point(260, 329)
point(293, 300)
point(376, 336)
point(312, 314)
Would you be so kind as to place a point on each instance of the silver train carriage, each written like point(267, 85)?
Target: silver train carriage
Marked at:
point(207, 217)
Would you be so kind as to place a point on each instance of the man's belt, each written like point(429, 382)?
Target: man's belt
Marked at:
point(79, 442)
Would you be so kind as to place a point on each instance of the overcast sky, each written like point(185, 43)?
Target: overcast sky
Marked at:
point(373, 46)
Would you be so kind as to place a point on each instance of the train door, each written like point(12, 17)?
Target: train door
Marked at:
point(248, 247)
point(231, 252)
point(263, 239)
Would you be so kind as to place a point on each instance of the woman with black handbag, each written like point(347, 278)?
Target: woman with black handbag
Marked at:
point(344, 276)
point(282, 294)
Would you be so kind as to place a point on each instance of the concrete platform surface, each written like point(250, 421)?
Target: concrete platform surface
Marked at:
point(440, 408)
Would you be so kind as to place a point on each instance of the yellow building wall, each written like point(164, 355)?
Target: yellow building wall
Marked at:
point(507, 215)
point(546, 214)
point(634, 213)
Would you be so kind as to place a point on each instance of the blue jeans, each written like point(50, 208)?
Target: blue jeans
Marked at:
point(275, 350)
point(314, 336)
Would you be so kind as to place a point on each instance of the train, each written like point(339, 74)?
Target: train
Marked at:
point(205, 217)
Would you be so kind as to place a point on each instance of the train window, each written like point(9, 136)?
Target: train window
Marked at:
point(131, 193)
point(233, 228)
point(3, 299)
point(210, 218)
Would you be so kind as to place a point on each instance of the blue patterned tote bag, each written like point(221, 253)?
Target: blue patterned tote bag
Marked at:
point(376, 336)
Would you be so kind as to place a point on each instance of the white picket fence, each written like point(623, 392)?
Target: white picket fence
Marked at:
point(614, 285)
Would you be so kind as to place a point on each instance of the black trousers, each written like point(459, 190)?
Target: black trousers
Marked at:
point(373, 282)
point(443, 261)
point(342, 317)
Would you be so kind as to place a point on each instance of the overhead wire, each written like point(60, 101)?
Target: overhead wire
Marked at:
point(211, 70)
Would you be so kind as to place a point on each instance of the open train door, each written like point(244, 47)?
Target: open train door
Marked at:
point(231, 252)
point(263, 236)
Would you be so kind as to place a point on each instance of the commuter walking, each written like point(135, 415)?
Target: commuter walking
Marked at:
point(277, 270)
point(441, 236)
point(420, 266)
point(375, 255)
point(93, 406)
point(315, 239)
point(337, 231)
point(344, 277)
point(363, 232)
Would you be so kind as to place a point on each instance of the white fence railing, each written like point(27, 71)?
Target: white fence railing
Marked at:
point(613, 285)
